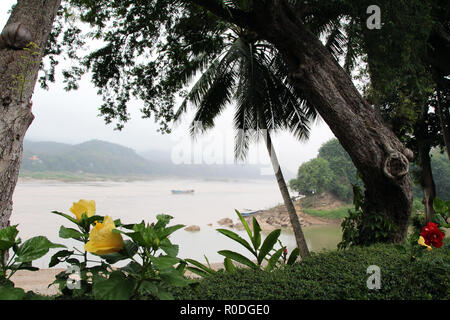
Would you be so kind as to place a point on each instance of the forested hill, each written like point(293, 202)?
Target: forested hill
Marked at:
point(96, 157)
point(104, 158)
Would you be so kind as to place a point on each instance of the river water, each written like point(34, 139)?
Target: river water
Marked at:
point(135, 201)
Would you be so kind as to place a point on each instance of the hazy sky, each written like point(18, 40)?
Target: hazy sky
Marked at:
point(72, 117)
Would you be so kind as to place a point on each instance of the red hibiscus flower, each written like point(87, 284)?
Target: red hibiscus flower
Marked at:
point(432, 235)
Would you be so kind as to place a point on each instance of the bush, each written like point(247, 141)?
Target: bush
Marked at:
point(335, 275)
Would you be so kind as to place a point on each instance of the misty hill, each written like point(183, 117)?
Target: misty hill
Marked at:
point(96, 157)
point(105, 158)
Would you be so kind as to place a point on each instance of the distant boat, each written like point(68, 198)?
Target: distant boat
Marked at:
point(182, 191)
point(249, 213)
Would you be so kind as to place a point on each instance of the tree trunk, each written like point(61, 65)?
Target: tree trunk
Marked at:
point(18, 76)
point(427, 181)
point(377, 153)
point(296, 226)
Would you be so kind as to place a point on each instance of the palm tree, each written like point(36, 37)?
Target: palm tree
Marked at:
point(252, 73)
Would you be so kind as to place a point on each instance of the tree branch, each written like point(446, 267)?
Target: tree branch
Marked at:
point(238, 17)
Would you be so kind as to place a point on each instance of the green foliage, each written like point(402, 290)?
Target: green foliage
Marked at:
point(335, 275)
point(77, 257)
point(361, 228)
point(92, 157)
point(440, 166)
point(339, 213)
point(21, 257)
point(313, 177)
point(151, 261)
point(153, 273)
point(441, 212)
point(263, 252)
point(332, 171)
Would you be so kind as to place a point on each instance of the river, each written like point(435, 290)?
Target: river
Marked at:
point(135, 201)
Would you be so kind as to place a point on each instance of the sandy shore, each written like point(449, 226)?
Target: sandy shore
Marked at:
point(37, 281)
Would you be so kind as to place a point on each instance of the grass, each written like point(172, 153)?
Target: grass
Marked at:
point(342, 212)
point(338, 213)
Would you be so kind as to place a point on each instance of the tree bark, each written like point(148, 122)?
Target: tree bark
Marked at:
point(15, 95)
point(296, 226)
point(377, 153)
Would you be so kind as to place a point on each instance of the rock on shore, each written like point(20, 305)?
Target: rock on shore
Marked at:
point(278, 218)
point(192, 228)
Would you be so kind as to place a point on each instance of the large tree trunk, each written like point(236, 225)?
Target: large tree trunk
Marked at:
point(293, 217)
point(15, 95)
point(377, 153)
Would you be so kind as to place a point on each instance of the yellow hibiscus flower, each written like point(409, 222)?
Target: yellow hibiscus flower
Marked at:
point(421, 241)
point(102, 240)
point(83, 206)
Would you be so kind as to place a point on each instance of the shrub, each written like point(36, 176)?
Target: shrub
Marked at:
point(335, 275)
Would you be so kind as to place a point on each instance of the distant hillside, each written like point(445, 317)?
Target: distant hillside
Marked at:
point(104, 158)
point(95, 157)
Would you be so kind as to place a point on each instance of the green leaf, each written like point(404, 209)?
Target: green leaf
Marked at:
point(148, 287)
point(198, 272)
point(169, 248)
point(35, 248)
point(69, 233)
point(11, 293)
point(437, 218)
point(116, 287)
point(238, 258)
point(130, 248)
point(228, 264)
point(268, 244)
point(24, 266)
point(274, 259)
point(55, 259)
point(257, 234)
point(164, 263)
point(164, 233)
point(181, 266)
point(174, 278)
point(439, 206)
point(293, 256)
point(245, 224)
point(234, 236)
point(133, 267)
point(163, 220)
point(201, 266)
point(8, 237)
point(67, 217)
point(114, 257)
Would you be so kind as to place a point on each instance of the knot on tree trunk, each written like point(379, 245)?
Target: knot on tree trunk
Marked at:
point(396, 166)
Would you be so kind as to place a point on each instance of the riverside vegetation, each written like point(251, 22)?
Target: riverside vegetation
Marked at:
point(415, 270)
